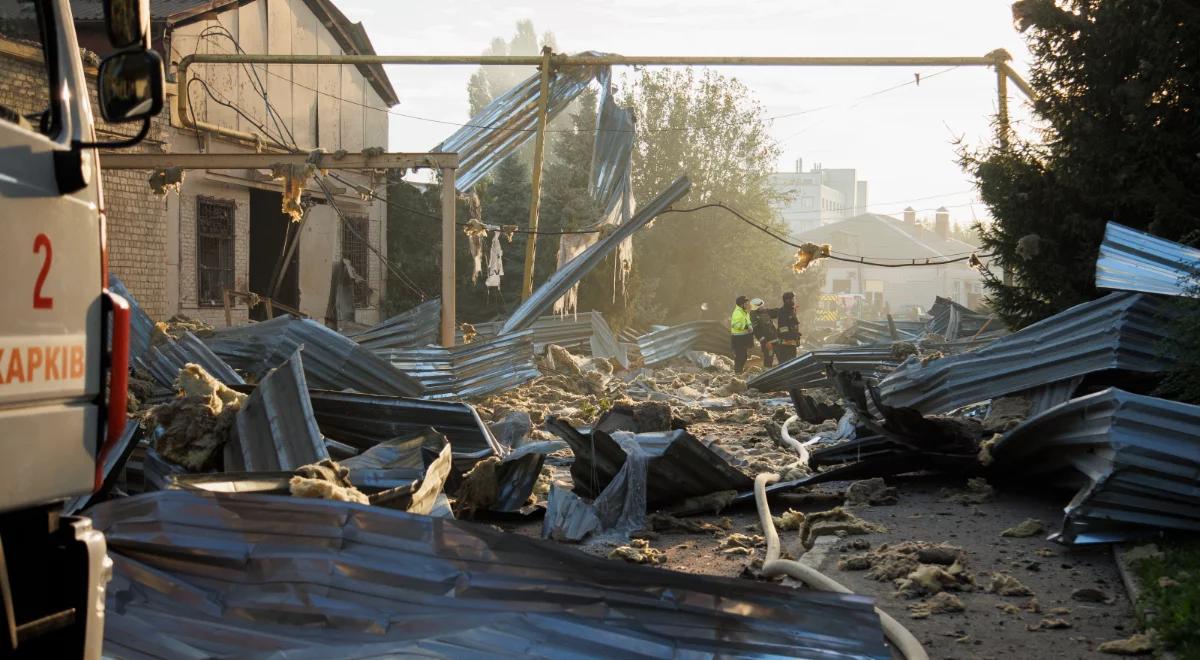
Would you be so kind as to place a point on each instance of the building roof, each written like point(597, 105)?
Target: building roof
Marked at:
point(882, 237)
point(351, 37)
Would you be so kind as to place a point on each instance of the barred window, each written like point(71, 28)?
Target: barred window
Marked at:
point(354, 250)
point(214, 249)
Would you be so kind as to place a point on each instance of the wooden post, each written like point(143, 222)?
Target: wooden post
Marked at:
point(449, 196)
point(535, 198)
point(1002, 124)
point(228, 315)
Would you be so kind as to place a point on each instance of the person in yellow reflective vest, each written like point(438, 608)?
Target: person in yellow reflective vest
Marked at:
point(741, 331)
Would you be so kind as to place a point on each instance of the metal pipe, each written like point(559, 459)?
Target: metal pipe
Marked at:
point(448, 266)
point(535, 198)
point(560, 60)
point(257, 161)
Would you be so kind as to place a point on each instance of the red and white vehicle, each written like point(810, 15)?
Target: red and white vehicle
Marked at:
point(63, 337)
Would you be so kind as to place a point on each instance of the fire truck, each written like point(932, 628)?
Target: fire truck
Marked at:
point(64, 339)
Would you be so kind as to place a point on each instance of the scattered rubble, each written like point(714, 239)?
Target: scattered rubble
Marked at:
point(836, 521)
point(1003, 584)
point(1139, 644)
point(941, 603)
point(194, 427)
point(325, 480)
point(1089, 595)
point(638, 552)
point(978, 491)
point(870, 492)
point(1027, 528)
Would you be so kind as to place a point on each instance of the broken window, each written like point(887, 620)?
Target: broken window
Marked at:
point(354, 250)
point(214, 249)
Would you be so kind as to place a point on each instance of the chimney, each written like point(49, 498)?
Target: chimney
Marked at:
point(910, 216)
point(799, 165)
point(941, 222)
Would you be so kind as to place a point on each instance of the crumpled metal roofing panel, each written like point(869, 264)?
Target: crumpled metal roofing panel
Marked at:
point(363, 420)
point(1136, 261)
point(275, 428)
point(878, 332)
point(1119, 331)
point(469, 370)
point(164, 361)
point(414, 327)
point(141, 326)
point(574, 270)
point(808, 370)
point(207, 575)
point(954, 321)
point(680, 465)
point(1138, 457)
point(331, 360)
point(658, 346)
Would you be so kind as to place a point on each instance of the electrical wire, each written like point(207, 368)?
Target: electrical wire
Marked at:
point(791, 242)
point(225, 32)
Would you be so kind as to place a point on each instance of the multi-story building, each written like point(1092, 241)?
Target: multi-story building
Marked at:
point(818, 197)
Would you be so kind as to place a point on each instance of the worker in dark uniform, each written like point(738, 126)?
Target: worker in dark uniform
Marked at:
point(789, 329)
point(741, 331)
point(764, 330)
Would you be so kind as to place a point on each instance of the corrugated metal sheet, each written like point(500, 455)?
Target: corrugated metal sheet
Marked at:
point(808, 370)
point(877, 332)
point(1138, 458)
point(564, 278)
point(141, 326)
point(331, 360)
point(415, 327)
point(581, 333)
point(954, 321)
point(209, 575)
point(364, 420)
point(1119, 331)
point(164, 361)
point(509, 122)
point(680, 466)
point(1136, 261)
point(275, 428)
point(476, 369)
point(658, 346)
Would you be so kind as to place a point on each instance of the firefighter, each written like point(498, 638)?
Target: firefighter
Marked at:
point(789, 329)
point(741, 331)
point(764, 330)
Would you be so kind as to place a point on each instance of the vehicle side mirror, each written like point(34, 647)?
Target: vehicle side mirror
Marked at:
point(128, 22)
point(131, 86)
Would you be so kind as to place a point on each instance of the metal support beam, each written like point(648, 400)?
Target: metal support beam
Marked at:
point(535, 196)
point(352, 161)
point(449, 196)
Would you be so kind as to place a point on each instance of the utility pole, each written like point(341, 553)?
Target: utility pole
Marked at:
point(535, 198)
point(449, 199)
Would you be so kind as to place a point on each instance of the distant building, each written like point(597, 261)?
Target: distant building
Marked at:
point(818, 197)
point(884, 239)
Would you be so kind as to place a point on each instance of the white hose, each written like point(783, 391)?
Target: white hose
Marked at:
point(791, 442)
point(898, 635)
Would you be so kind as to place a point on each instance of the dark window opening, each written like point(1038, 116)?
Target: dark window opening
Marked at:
point(214, 249)
point(354, 250)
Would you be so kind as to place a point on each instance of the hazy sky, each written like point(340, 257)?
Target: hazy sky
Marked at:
point(899, 140)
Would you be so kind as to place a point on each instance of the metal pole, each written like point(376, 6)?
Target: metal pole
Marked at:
point(583, 60)
point(535, 198)
point(1002, 104)
point(448, 265)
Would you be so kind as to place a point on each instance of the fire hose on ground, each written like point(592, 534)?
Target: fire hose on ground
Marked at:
point(898, 635)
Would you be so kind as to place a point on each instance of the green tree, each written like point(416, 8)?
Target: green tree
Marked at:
point(710, 128)
point(1117, 85)
point(488, 82)
point(412, 228)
